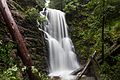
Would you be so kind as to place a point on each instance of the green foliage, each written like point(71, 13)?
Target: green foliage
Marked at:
point(8, 70)
point(40, 75)
point(40, 4)
point(5, 50)
point(86, 22)
point(27, 4)
point(71, 6)
point(32, 16)
point(43, 76)
point(58, 4)
point(10, 74)
point(110, 71)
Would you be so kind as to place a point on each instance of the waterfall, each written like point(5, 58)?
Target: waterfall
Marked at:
point(62, 59)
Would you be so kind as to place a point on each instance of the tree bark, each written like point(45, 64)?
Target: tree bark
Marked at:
point(17, 37)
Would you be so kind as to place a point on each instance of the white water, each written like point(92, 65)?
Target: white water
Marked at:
point(62, 58)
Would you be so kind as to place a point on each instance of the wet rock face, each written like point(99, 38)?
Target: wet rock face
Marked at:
point(87, 78)
point(35, 44)
point(55, 78)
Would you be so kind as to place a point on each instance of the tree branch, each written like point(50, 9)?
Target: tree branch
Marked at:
point(79, 75)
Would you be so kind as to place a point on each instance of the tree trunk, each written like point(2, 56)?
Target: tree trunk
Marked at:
point(17, 37)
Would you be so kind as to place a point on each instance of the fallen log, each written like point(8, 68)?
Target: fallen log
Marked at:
point(98, 60)
point(117, 47)
point(75, 72)
point(17, 37)
point(80, 74)
point(110, 51)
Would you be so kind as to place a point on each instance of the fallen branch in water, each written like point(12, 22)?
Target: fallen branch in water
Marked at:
point(75, 72)
point(80, 74)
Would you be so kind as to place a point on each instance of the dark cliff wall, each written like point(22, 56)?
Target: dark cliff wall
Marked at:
point(34, 40)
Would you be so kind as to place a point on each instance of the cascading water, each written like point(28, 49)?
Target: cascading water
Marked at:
point(62, 58)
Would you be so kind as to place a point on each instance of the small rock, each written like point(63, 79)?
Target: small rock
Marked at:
point(55, 78)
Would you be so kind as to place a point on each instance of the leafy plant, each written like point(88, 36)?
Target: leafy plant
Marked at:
point(39, 75)
point(11, 74)
point(32, 16)
point(8, 68)
point(5, 50)
point(86, 22)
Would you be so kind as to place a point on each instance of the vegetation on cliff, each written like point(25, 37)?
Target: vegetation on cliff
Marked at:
point(86, 23)
point(86, 19)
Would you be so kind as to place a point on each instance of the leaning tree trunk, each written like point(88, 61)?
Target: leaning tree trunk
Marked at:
point(17, 37)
